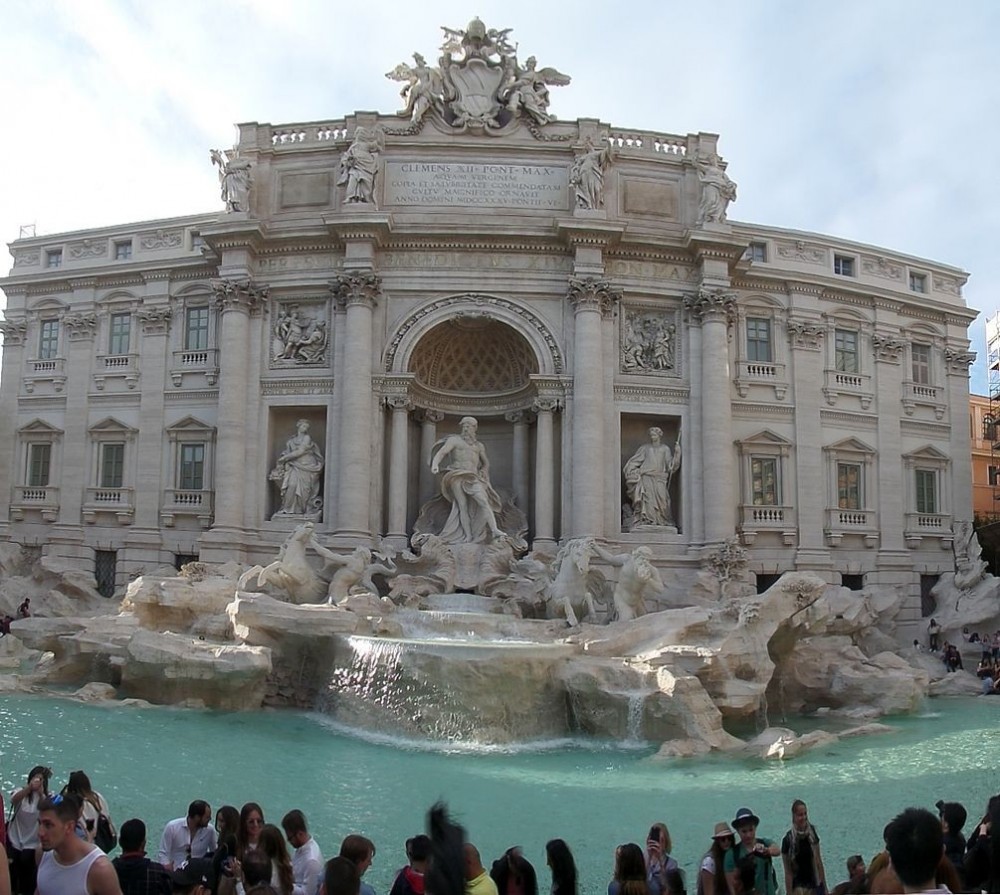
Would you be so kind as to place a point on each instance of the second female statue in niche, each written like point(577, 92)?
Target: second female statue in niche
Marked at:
point(298, 475)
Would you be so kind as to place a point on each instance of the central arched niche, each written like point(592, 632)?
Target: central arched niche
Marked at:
point(467, 356)
point(474, 365)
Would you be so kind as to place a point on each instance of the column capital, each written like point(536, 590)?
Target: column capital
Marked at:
point(14, 331)
point(806, 335)
point(80, 326)
point(711, 304)
point(427, 415)
point(155, 321)
point(545, 404)
point(958, 362)
point(592, 294)
point(516, 416)
point(359, 288)
point(239, 295)
point(887, 350)
point(397, 402)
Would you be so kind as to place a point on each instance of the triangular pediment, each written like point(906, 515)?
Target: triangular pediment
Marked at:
point(190, 424)
point(850, 446)
point(111, 425)
point(766, 437)
point(927, 452)
point(39, 427)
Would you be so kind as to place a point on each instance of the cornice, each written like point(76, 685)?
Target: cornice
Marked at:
point(373, 227)
point(846, 418)
point(650, 394)
point(750, 409)
point(583, 232)
point(473, 245)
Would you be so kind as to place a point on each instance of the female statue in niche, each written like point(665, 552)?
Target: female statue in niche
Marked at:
point(297, 472)
point(647, 477)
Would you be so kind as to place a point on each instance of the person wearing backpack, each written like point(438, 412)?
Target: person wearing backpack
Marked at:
point(751, 858)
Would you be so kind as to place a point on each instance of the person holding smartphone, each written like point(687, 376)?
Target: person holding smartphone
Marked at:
point(658, 860)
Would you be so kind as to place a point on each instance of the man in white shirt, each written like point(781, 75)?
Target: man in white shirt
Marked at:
point(70, 865)
point(307, 862)
point(188, 837)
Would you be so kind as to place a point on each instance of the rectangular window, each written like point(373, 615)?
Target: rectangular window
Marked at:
point(121, 325)
point(764, 473)
point(196, 329)
point(757, 251)
point(846, 351)
point(993, 473)
point(53, 258)
point(989, 428)
point(843, 265)
point(849, 486)
point(759, 339)
point(39, 464)
point(921, 357)
point(48, 340)
point(106, 571)
point(123, 250)
point(918, 282)
point(192, 471)
point(197, 243)
point(926, 491)
point(112, 465)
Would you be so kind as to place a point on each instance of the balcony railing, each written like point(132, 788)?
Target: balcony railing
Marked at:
point(761, 373)
point(839, 383)
point(755, 519)
point(43, 499)
point(124, 366)
point(50, 369)
point(918, 393)
point(841, 521)
point(119, 501)
point(199, 360)
point(187, 502)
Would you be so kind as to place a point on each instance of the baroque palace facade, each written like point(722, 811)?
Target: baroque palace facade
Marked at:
point(571, 285)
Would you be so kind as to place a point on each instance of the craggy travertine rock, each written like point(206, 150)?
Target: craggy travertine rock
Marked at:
point(832, 671)
point(262, 620)
point(82, 648)
point(957, 683)
point(179, 603)
point(96, 692)
point(171, 668)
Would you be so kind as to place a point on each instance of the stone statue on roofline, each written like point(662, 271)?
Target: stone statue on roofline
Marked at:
point(587, 175)
point(235, 179)
point(717, 190)
point(359, 166)
point(478, 84)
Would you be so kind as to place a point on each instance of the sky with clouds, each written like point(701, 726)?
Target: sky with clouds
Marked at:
point(871, 120)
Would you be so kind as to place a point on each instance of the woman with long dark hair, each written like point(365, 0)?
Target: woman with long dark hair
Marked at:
point(711, 873)
point(227, 825)
point(563, 867)
point(248, 833)
point(23, 829)
point(272, 844)
point(630, 871)
point(94, 804)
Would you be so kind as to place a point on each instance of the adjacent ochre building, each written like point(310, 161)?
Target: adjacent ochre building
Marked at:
point(569, 284)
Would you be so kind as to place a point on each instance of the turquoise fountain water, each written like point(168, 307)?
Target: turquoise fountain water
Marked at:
point(151, 762)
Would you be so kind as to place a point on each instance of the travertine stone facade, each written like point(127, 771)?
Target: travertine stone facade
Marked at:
point(154, 372)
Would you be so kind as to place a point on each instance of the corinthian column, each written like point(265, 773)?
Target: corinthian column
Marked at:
point(713, 309)
point(235, 301)
point(544, 407)
point(400, 407)
point(591, 299)
point(359, 292)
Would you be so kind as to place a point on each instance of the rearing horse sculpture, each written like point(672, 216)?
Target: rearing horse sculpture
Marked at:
point(574, 585)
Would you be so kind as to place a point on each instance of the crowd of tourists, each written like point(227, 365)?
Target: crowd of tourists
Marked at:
point(59, 843)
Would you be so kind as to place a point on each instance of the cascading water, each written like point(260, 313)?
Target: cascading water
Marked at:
point(633, 723)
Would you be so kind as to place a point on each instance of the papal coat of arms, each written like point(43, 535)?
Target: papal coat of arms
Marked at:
point(478, 84)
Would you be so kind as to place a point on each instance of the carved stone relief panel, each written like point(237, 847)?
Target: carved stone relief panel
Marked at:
point(649, 342)
point(300, 334)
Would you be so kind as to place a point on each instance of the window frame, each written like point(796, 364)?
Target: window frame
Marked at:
point(925, 484)
point(921, 371)
point(757, 252)
point(34, 448)
point(53, 259)
point(841, 354)
point(844, 491)
point(918, 282)
point(123, 249)
point(758, 462)
point(197, 480)
point(189, 312)
point(752, 324)
point(48, 338)
point(845, 265)
point(120, 349)
point(116, 465)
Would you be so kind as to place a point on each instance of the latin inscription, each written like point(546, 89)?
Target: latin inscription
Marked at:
point(469, 184)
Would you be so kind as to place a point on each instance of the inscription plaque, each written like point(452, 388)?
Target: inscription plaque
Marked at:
point(471, 183)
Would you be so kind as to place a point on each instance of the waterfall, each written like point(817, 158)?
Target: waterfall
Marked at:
point(763, 722)
point(633, 722)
